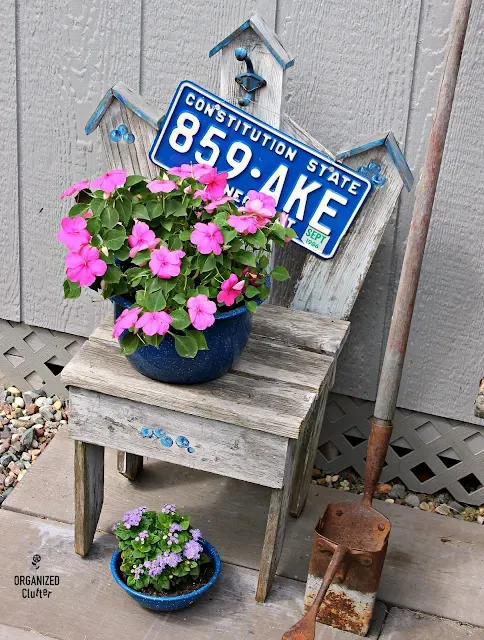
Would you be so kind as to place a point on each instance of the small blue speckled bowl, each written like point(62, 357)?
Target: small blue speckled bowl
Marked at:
point(169, 603)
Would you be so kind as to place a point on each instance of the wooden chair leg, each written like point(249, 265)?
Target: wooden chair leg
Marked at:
point(276, 528)
point(129, 464)
point(88, 493)
point(306, 447)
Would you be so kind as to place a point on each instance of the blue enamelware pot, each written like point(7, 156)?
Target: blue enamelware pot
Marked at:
point(168, 603)
point(226, 339)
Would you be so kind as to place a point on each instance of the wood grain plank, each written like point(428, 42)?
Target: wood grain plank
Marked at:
point(169, 58)
point(434, 563)
point(69, 54)
point(306, 330)
point(129, 465)
point(88, 493)
point(9, 213)
point(101, 611)
point(294, 366)
point(275, 529)
point(348, 85)
point(265, 405)
point(228, 450)
point(448, 321)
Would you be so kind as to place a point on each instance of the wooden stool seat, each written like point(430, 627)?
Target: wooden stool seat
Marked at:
point(259, 423)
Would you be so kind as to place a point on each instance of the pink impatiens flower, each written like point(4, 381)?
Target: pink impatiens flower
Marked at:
point(259, 204)
point(74, 189)
point(165, 263)
point(201, 311)
point(154, 322)
point(208, 238)
point(243, 224)
point(84, 266)
point(231, 288)
point(163, 186)
point(73, 233)
point(215, 182)
point(126, 320)
point(185, 171)
point(209, 208)
point(109, 181)
point(141, 238)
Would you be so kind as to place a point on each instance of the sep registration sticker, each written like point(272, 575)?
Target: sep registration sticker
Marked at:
point(321, 197)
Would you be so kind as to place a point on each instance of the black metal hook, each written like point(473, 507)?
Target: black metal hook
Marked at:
point(249, 81)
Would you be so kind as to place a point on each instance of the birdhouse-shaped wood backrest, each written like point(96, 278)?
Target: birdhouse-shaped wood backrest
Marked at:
point(127, 125)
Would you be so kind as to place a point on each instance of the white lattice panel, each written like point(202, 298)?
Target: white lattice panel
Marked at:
point(32, 358)
point(426, 452)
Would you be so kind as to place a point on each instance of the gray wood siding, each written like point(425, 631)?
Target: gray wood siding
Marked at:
point(361, 68)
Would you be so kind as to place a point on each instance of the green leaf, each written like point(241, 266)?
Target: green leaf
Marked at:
point(264, 292)
point(175, 243)
point(114, 239)
point(143, 300)
point(167, 224)
point(180, 298)
point(208, 264)
point(123, 253)
point(263, 262)
point(279, 230)
point(141, 212)
point(229, 235)
point(129, 343)
point(199, 337)
point(186, 346)
point(157, 301)
point(132, 180)
point(141, 256)
point(109, 218)
point(279, 273)
point(251, 305)
point(181, 319)
point(78, 209)
point(155, 209)
point(93, 226)
point(251, 292)
point(290, 233)
point(154, 341)
point(257, 239)
point(113, 274)
point(246, 257)
point(154, 284)
point(185, 235)
point(71, 289)
point(124, 207)
point(97, 205)
point(220, 219)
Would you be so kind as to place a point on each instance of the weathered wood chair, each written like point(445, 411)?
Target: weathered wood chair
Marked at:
point(261, 422)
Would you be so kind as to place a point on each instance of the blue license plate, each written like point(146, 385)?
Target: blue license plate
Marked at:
point(321, 197)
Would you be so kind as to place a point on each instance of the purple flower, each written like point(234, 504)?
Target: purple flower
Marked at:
point(138, 571)
point(156, 566)
point(141, 536)
point(169, 508)
point(133, 518)
point(173, 559)
point(175, 527)
point(196, 534)
point(192, 550)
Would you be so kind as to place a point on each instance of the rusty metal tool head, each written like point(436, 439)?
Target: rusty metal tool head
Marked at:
point(349, 547)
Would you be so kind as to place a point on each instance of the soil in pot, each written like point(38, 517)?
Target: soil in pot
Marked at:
point(206, 572)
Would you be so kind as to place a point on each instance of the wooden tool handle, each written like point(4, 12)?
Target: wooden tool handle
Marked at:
point(375, 457)
point(304, 629)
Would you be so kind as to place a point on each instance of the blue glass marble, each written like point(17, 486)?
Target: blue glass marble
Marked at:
point(146, 432)
point(166, 441)
point(159, 433)
point(191, 450)
point(115, 135)
point(122, 129)
point(182, 442)
point(128, 137)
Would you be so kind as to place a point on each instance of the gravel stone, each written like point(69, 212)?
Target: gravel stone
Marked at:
point(444, 510)
point(6, 459)
point(456, 506)
point(412, 500)
point(28, 437)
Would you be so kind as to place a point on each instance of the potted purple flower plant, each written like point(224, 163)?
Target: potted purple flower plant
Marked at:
point(161, 561)
point(184, 264)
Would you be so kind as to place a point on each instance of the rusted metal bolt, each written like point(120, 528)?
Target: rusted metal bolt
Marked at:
point(381, 527)
point(339, 512)
point(365, 561)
